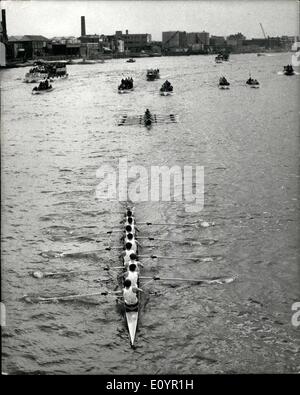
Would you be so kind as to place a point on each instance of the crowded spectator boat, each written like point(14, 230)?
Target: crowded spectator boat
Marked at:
point(46, 69)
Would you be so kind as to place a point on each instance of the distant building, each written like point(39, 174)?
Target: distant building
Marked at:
point(217, 42)
point(134, 42)
point(296, 46)
point(89, 38)
point(288, 42)
point(156, 48)
point(264, 43)
point(198, 38)
point(26, 47)
point(235, 40)
point(67, 46)
point(174, 41)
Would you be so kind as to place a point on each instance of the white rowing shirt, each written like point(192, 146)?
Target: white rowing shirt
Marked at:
point(133, 242)
point(130, 297)
point(133, 277)
point(127, 256)
point(132, 228)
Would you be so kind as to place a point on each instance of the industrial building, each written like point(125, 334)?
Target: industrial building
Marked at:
point(174, 42)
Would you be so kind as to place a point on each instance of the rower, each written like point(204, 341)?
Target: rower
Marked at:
point(131, 221)
point(130, 293)
point(127, 252)
point(134, 259)
point(129, 213)
point(130, 239)
point(129, 229)
point(132, 274)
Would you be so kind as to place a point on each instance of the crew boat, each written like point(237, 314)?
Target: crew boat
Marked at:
point(166, 89)
point(131, 309)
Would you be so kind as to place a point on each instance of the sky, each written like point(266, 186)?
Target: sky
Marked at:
point(62, 18)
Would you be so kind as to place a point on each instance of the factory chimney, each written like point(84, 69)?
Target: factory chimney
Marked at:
point(4, 32)
point(83, 33)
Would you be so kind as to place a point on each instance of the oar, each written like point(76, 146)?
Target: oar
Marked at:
point(114, 231)
point(226, 280)
point(69, 253)
point(39, 274)
point(68, 297)
point(169, 240)
point(169, 257)
point(204, 224)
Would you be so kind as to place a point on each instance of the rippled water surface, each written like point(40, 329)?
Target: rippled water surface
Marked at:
point(248, 142)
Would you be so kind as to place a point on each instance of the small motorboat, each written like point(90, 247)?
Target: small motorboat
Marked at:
point(223, 83)
point(130, 60)
point(219, 59)
point(253, 83)
point(152, 75)
point(288, 70)
point(40, 91)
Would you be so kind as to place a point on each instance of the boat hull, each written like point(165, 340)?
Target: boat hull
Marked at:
point(35, 77)
point(164, 93)
point(41, 92)
point(132, 322)
point(123, 91)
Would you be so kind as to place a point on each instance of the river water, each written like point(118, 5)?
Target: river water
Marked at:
point(248, 142)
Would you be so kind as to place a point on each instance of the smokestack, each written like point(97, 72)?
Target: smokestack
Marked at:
point(83, 33)
point(126, 32)
point(4, 25)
